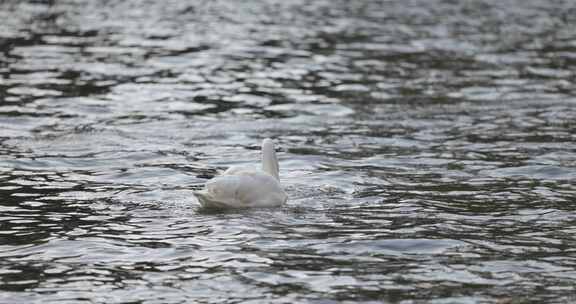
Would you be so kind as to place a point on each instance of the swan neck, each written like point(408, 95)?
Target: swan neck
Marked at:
point(269, 159)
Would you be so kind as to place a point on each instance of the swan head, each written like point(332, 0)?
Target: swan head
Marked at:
point(269, 159)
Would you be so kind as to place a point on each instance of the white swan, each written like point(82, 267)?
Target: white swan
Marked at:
point(240, 187)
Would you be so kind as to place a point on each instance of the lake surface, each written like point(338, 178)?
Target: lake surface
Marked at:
point(428, 149)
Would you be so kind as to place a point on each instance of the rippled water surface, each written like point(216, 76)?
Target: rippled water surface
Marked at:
point(428, 149)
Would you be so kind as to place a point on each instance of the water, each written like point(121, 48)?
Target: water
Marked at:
point(428, 149)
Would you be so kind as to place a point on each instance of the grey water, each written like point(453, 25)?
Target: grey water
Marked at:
point(428, 149)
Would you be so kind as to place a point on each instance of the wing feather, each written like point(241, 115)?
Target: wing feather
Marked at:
point(242, 189)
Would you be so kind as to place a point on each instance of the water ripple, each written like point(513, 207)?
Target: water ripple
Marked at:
point(426, 147)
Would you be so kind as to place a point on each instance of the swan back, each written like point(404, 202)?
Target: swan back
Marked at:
point(243, 189)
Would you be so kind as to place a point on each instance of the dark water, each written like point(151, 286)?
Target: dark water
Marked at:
point(428, 149)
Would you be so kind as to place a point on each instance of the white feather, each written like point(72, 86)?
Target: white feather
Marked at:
point(240, 187)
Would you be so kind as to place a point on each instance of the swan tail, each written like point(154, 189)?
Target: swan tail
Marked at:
point(207, 201)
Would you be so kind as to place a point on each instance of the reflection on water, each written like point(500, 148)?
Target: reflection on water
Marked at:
point(427, 148)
